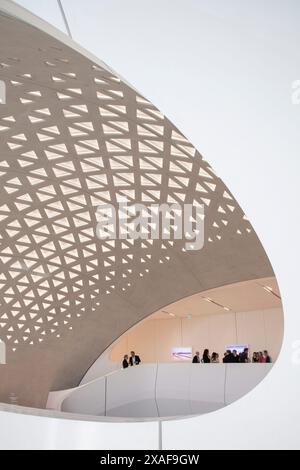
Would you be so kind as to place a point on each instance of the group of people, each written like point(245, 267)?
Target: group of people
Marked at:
point(229, 357)
point(133, 360)
point(232, 357)
point(261, 357)
point(206, 358)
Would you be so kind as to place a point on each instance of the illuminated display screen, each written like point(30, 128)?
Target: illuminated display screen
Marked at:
point(183, 354)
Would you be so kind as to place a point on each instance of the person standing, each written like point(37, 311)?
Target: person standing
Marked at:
point(196, 358)
point(125, 362)
point(244, 356)
point(206, 357)
point(215, 358)
point(134, 359)
point(261, 358)
point(267, 357)
point(225, 357)
point(235, 356)
point(228, 359)
point(255, 358)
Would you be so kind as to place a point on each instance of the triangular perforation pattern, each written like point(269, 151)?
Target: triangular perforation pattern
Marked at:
point(74, 136)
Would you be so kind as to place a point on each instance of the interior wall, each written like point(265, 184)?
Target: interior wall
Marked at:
point(154, 339)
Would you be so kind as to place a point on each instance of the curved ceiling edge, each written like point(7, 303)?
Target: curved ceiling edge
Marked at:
point(73, 136)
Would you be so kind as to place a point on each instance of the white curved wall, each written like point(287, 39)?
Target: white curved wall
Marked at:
point(163, 390)
point(132, 392)
point(23, 428)
point(90, 399)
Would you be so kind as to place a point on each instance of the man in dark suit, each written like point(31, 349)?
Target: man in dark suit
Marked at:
point(235, 356)
point(229, 358)
point(134, 360)
point(244, 356)
point(196, 358)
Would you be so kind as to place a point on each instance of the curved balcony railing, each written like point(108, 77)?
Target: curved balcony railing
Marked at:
point(161, 390)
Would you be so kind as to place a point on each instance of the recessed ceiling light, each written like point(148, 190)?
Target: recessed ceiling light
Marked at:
point(267, 288)
point(270, 290)
point(168, 313)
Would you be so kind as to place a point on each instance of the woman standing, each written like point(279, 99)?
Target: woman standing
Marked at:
point(261, 358)
point(206, 357)
point(125, 362)
point(215, 358)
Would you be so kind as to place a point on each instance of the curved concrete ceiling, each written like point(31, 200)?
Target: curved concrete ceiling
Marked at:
point(73, 136)
point(257, 294)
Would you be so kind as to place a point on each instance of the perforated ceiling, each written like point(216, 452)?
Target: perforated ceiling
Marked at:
point(74, 136)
